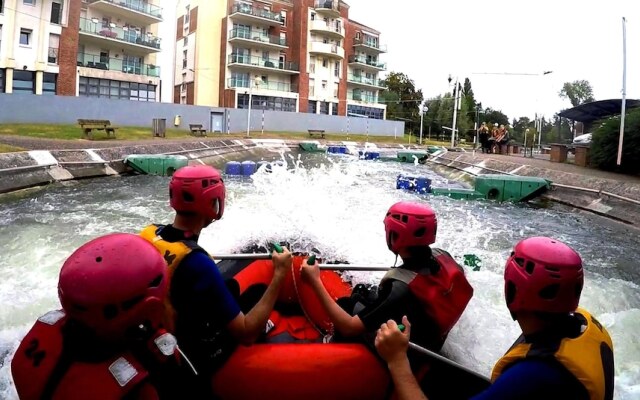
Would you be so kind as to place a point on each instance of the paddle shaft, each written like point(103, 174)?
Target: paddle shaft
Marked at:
point(445, 360)
point(332, 267)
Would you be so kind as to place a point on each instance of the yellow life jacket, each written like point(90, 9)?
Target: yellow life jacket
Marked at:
point(173, 253)
point(588, 357)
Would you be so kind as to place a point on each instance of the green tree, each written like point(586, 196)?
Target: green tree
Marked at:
point(519, 126)
point(492, 116)
point(402, 99)
point(604, 144)
point(578, 92)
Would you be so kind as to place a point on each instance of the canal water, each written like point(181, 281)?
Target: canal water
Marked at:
point(334, 204)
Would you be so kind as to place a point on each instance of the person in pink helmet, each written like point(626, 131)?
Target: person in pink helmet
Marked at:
point(206, 316)
point(429, 286)
point(563, 352)
point(109, 340)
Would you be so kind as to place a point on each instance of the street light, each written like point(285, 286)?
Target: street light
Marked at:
point(456, 100)
point(257, 81)
point(423, 109)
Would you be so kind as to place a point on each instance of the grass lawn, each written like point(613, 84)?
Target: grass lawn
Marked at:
point(73, 132)
point(5, 148)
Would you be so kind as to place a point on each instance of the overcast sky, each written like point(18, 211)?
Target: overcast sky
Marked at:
point(574, 39)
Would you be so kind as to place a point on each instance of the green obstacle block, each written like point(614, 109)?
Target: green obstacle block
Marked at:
point(457, 193)
point(156, 164)
point(510, 187)
point(473, 261)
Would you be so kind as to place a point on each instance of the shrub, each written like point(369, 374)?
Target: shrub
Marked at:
point(604, 144)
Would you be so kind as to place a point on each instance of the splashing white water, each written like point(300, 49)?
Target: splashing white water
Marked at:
point(336, 205)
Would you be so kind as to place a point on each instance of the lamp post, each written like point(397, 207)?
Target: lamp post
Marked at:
point(257, 81)
point(456, 100)
point(423, 109)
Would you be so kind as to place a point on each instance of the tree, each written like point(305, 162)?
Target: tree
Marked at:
point(492, 116)
point(518, 127)
point(402, 99)
point(578, 92)
point(604, 144)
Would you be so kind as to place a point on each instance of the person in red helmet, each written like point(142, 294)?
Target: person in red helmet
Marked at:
point(207, 319)
point(429, 287)
point(563, 352)
point(108, 341)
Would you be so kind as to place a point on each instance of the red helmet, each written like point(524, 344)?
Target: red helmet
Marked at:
point(198, 189)
point(114, 283)
point(543, 275)
point(408, 225)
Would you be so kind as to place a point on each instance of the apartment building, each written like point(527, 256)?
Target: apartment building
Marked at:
point(31, 51)
point(298, 56)
point(118, 45)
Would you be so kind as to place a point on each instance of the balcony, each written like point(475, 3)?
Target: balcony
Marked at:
point(258, 63)
point(117, 64)
point(364, 81)
point(365, 63)
point(326, 49)
point(245, 13)
point(363, 98)
point(134, 11)
point(369, 45)
point(239, 83)
point(325, 28)
point(128, 39)
point(257, 39)
point(328, 7)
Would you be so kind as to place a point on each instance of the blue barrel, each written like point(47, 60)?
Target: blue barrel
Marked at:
point(423, 185)
point(342, 150)
point(371, 155)
point(404, 182)
point(248, 168)
point(332, 149)
point(233, 168)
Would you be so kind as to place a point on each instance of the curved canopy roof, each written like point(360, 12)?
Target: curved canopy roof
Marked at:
point(596, 110)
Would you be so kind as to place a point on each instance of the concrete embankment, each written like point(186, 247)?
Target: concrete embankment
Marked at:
point(611, 195)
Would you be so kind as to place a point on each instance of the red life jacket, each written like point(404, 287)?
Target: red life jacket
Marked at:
point(39, 354)
point(443, 295)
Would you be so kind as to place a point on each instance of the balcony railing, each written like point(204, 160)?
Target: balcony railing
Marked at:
point(117, 64)
point(327, 27)
point(326, 48)
point(364, 60)
point(367, 98)
point(333, 5)
point(277, 86)
point(367, 42)
point(257, 37)
point(258, 61)
point(364, 80)
point(123, 34)
point(256, 12)
point(52, 55)
point(136, 5)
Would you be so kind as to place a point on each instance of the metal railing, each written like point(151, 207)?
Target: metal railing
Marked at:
point(244, 8)
point(277, 86)
point(370, 43)
point(257, 37)
point(366, 98)
point(262, 62)
point(328, 4)
point(123, 34)
point(135, 5)
point(364, 60)
point(117, 64)
point(364, 80)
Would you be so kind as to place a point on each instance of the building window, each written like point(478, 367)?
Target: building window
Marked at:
point(312, 106)
point(336, 69)
point(334, 108)
point(29, 2)
point(267, 103)
point(54, 44)
point(106, 88)
point(184, 77)
point(1, 6)
point(364, 112)
point(186, 14)
point(24, 82)
point(324, 107)
point(357, 35)
point(25, 37)
point(49, 83)
point(184, 59)
point(283, 16)
point(1, 80)
point(336, 85)
point(313, 16)
point(186, 41)
point(56, 12)
point(324, 84)
point(325, 63)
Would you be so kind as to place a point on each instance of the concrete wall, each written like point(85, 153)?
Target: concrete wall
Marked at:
point(34, 109)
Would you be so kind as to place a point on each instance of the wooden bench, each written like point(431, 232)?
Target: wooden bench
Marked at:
point(89, 125)
point(319, 132)
point(197, 130)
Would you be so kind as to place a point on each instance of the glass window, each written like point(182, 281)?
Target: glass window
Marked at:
point(25, 37)
point(1, 78)
point(23, 82)
point(49, 82)
point(29, 2)
point(56, 12)
point(312, 107)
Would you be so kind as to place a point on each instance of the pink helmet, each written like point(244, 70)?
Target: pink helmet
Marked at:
point(198, 189)
point(410, 224)
point(114, 283)
point(543, 275)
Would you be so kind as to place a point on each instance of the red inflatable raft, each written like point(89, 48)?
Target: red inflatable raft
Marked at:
point(308, 368)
